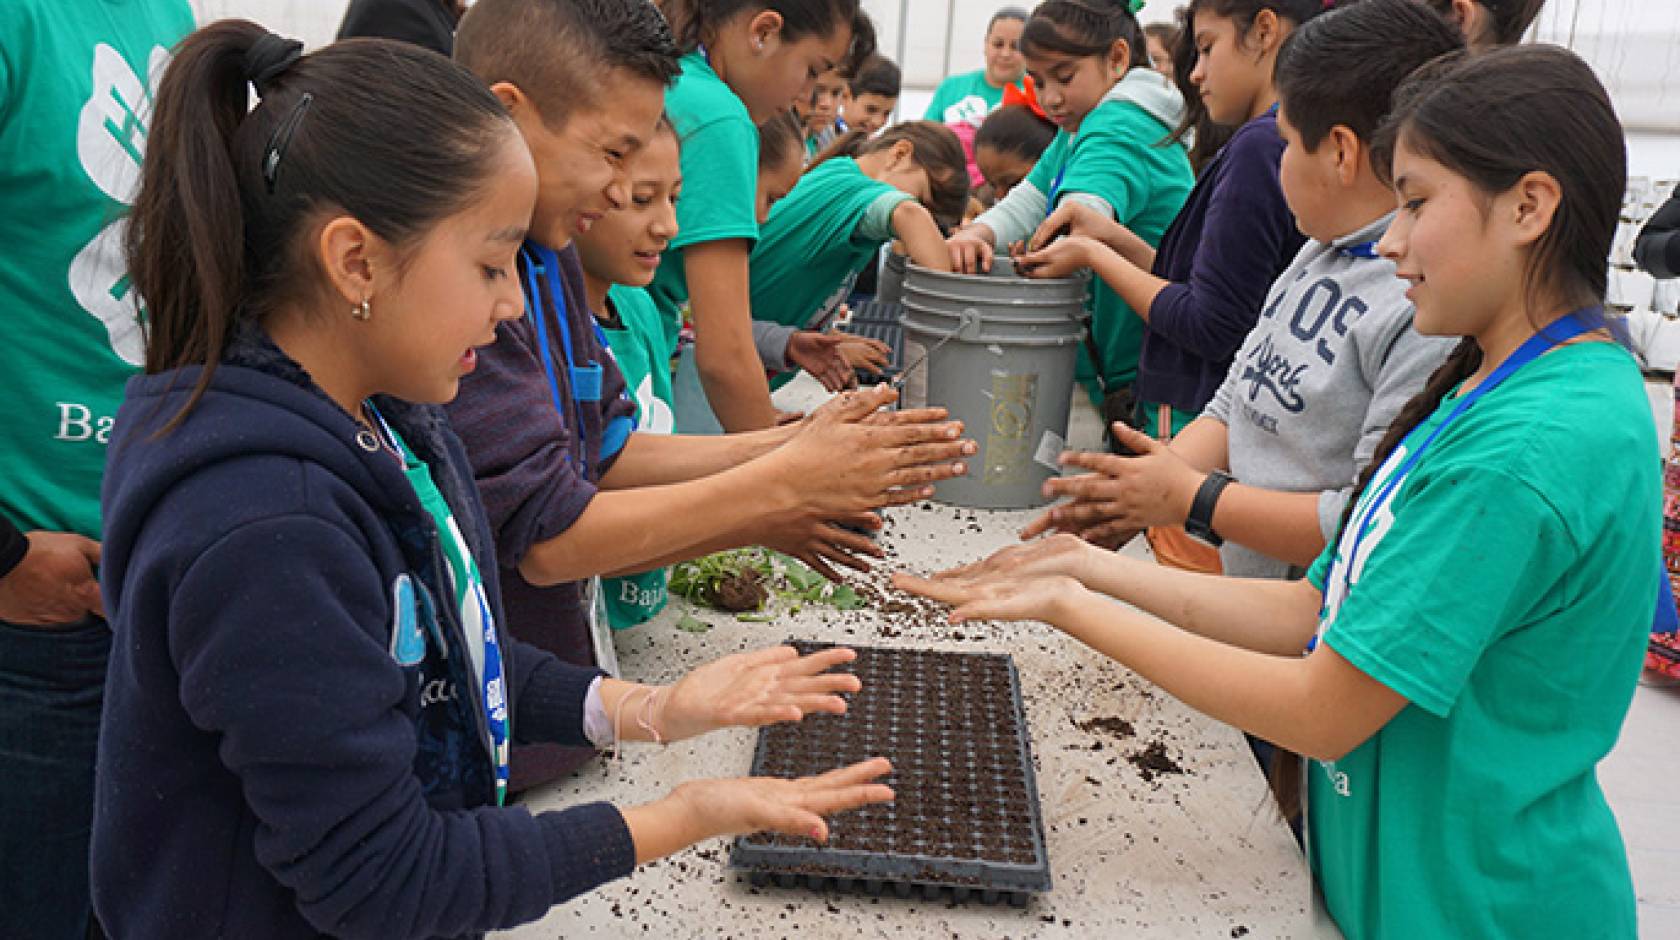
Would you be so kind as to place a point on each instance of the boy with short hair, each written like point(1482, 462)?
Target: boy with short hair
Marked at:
point(1269, 464)
point(874, 95)
point(821, 112)
point(570, 488)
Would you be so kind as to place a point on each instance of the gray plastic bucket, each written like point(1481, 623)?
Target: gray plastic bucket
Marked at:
point(1007, 373)
point(889, 285)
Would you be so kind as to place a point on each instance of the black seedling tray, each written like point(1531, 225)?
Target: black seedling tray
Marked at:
point(966, 821)
point(883, 322)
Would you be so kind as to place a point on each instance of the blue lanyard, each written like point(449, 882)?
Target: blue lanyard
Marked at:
point(1056, 190)
point(584, 381)
point(480, 635)
point(1364, 251)
point(1561, 331)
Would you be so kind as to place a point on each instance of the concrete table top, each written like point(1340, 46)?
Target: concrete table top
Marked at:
point(1200, 853)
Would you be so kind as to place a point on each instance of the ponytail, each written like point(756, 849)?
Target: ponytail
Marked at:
point(186, 234)
point(1284, 774)
point(938, 151)
point(396, 136)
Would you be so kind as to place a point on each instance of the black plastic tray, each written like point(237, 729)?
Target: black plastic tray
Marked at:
point(883, 322)
point(966, 821)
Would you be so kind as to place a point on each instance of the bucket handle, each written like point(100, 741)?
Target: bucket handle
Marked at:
point(968, 327)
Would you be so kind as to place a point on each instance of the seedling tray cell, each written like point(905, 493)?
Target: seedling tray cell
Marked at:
point(966, 821)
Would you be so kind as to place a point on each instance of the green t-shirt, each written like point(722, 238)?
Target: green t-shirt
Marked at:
point(964, 99)
point(817, 240)
point(639, 347)
point(76, 84)
point(1506, 590)
point(1118, 155)
point(720, 163)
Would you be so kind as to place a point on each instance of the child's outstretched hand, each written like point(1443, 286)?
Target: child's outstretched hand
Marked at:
point(869, 355)
point(1064, 555)
point(823, 355)
point(845, 460)
point(1121, 494)
point(751, 689)
point(705, 809)
point(1001, 597)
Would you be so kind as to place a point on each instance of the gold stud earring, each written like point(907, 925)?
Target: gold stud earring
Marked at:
point(362, 312)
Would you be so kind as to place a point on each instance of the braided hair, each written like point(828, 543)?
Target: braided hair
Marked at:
point(1494, 118)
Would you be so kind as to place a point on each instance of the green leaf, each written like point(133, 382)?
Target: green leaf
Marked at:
point(688, 623)
point(844, 598)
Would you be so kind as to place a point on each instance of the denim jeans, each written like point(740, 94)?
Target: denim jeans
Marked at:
point(52, 685)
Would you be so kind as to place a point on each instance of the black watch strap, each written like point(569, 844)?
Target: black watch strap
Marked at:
point(1200, 522)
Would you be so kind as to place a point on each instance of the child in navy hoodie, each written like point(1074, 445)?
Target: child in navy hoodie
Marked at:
point(311, 694)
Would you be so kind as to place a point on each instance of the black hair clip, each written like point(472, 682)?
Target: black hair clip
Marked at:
point(278, 140)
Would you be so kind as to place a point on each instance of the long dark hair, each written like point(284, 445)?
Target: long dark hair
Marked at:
point(1493, 118)
point(392, 134)
point(1197, 126)
point(937, 150)
point(1511, 18)
point(779, 139)
point(1081, 28)
point(1244, 12)
point(696, 22)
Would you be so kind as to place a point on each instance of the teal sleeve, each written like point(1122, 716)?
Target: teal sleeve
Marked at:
point(941, 101)
point(1111, 158)
point(1318, 575)
point(720, 163)
point(1472, 554)
point(876, 225)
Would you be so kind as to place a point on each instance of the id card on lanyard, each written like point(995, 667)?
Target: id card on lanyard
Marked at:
point(478, 624)
point(585, 384)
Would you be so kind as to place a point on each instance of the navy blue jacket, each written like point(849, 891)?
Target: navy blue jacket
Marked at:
point(1231, 240)
point(266, 767)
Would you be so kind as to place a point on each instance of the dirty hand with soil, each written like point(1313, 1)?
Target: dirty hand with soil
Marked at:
point(850, 458)
point(997, 596)
point(1120, 495)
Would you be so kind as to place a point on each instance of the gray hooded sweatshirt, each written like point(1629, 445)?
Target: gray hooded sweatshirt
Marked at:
point(1317, 383)
point(1020, 213)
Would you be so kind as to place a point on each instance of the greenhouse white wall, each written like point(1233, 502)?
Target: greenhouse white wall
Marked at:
point(1634, 44)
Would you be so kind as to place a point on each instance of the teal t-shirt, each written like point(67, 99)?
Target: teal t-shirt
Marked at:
point(76, 86)
point(964, 99)
point(1505, 590)
point(637, 343)
point(720, 163)
point(1118, 155)
point(817, 240)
